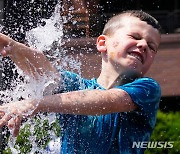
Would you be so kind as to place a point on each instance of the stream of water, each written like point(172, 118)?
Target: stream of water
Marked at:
point(47, 39)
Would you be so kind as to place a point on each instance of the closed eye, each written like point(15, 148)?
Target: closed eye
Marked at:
point(136, 37)
point(151, 45)
point(152, 48)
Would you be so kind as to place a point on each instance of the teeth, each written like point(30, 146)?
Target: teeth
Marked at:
point(136, 56)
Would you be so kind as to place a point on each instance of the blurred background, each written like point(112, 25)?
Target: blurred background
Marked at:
point(83, 22)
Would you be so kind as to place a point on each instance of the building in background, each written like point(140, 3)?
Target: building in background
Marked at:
point(167, 12)
point(22, 15)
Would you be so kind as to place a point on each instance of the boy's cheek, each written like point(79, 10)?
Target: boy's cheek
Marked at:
point(115, 44)
point(120, 55)
point(112, 55)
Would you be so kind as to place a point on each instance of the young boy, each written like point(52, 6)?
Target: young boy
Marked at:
point(103, 115)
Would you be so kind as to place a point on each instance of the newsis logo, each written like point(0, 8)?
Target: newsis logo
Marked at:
point(151, 145)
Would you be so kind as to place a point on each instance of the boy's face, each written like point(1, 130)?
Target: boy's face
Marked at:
point(132, 46)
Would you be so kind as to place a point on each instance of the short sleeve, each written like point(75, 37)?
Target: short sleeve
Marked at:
point(145, 93)
point(69, 81)
point(72, 82)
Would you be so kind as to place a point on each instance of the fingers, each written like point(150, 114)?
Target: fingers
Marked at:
point(15, 124)
point(4, 120)
point(11, 114)
point(1, 114)
point(11, 123)
point(18, 124)
point(4, 52)
point(5, 115)
point(5, 42)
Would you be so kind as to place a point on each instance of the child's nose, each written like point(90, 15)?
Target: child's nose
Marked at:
point(142, 44)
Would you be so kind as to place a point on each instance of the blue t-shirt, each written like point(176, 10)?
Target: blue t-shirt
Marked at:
point(110, 133)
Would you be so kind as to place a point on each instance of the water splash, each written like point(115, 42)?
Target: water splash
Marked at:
point(43, 37)
point(48, 39)
point(1, 27)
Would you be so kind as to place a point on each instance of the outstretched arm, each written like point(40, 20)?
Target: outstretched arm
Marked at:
point(86, 102)
point(31, 61)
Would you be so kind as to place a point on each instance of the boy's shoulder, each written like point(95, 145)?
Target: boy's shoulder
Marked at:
point(72, 81)
point(146, 81)
point(145, 92)
point(143, 85)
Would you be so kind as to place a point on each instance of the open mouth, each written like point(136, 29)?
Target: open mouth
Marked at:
point(137, 55)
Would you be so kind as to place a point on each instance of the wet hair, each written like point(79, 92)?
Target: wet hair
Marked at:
point(115, 22)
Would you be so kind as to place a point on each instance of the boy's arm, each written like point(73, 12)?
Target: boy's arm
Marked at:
point(86, 102)
point(31, 61)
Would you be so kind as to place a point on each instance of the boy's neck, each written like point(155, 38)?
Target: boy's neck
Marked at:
point(107, 81)
point(110, 79)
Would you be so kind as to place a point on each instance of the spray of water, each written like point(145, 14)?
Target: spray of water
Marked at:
point(1, 27)
point(48, 39)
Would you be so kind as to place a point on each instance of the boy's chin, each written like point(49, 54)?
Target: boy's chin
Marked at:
point(130, 75)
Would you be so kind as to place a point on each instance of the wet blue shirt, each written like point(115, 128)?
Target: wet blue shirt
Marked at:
point(110, 133)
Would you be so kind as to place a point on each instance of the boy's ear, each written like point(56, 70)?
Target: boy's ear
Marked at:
point(101, 43)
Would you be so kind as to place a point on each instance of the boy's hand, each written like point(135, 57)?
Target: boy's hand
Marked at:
point(33, 62)
point(6, 44)
point(11, 114)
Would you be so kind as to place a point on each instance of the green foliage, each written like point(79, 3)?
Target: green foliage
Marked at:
point(167, 129)
point(41, 131)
